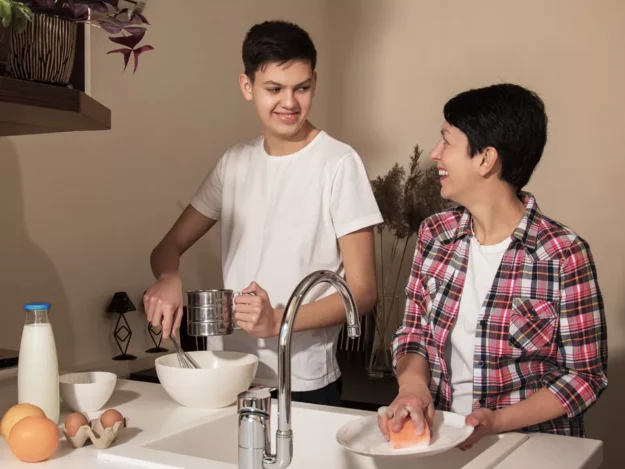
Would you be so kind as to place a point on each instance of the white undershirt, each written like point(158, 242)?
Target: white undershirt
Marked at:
point(484, 262)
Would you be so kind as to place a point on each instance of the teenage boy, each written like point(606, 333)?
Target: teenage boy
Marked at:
point(290, 202)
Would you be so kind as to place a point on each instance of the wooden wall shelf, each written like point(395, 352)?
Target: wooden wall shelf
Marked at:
point(33, 108)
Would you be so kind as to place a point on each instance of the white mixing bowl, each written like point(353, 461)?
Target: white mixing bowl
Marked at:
point(217, 383)
point(87, 391)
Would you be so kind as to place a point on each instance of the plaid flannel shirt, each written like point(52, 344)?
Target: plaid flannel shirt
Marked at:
point(542, 323)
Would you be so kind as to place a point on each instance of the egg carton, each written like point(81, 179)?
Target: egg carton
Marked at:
point(101, 437)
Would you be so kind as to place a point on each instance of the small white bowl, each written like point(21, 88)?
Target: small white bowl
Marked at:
point(87, 391)
point(217, 383)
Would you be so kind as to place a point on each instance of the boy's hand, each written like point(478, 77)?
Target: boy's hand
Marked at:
point(163, 304)
point(255, 314)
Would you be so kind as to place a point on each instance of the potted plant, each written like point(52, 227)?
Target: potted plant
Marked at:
point(404, 201)
point(43, 34)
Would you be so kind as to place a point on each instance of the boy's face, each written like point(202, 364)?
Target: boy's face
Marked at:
point(459, 173)
point(282, 95)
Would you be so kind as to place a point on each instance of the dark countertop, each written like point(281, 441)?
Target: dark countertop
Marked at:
point(8, 358)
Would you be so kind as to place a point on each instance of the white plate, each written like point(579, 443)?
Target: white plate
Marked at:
point(362, 436)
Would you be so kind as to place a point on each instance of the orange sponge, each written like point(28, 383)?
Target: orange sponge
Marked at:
point(407, 436)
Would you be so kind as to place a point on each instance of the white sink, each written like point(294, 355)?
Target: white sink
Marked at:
point(213, 444)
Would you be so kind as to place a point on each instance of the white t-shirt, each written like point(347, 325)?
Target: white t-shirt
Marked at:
point(281, 218)
point(483, 264)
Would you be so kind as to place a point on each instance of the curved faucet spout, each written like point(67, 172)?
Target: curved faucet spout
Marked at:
point(284, 434)
point(254, 407)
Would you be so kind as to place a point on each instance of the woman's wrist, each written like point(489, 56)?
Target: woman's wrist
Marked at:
point(499, 421)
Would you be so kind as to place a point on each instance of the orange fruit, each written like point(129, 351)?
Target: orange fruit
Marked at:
point(17, 413)
point(34, 439)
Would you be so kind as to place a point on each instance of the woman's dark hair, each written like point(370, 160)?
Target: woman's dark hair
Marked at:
point(507, 117)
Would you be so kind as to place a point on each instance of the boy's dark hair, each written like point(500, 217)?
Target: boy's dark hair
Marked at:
point(276, 42)
point(507, 117)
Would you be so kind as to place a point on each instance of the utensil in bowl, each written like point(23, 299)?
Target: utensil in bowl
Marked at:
point(184, 359)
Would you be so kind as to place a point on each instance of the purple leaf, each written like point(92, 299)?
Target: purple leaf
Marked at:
point(136, 30)
point(143, 49)
point(125, 53)
point(129, 41)
point(111, 28)
point(125, 16)
point(123, 40)
point(142, 18)
point(121, 23)
point(138, 52)
point(138, 18)
point(99, 7)
point(81, 12)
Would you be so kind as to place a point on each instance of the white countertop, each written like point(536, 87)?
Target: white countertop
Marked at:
point(152, 414)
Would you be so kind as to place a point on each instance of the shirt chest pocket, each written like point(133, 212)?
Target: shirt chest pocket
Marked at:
point(533, 324)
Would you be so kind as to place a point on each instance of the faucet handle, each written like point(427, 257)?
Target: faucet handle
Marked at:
point(254, 415)
point(255, 400)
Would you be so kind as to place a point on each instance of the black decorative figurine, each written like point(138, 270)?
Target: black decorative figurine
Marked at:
point(121, 304)
point(154, 334)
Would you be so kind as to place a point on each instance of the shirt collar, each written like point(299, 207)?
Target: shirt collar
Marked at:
point(527, 230)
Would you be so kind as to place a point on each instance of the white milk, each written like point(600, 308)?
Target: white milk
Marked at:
point(38, 370)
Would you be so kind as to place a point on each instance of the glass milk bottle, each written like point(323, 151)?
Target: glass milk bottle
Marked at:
point(38, 369)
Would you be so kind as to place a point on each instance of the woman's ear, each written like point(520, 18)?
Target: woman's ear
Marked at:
point(488, 161)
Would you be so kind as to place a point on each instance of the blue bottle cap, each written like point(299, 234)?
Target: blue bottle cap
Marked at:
point(35, 306)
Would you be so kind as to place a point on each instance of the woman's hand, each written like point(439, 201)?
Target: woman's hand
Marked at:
point(484, 422)
point(415, 401)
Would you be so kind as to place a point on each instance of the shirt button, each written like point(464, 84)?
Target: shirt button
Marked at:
point(481, 364)
point(483, 323)
point(482, 401)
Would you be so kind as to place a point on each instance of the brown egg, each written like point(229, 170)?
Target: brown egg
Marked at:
point(110, 417)
point(34, 439)
point(73, 422)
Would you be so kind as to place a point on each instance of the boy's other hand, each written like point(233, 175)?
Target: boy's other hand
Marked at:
point(255, 314)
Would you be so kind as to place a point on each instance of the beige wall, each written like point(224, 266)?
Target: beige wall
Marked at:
point(386, 68)
point(80, 213)
point(395, 62)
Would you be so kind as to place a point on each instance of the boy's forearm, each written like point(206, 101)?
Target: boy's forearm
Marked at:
point(358, 252)
point(164, 260)
point(330, 311)
point(190, 226)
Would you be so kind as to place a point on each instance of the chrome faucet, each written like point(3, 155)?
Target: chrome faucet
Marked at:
point(254, 406)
